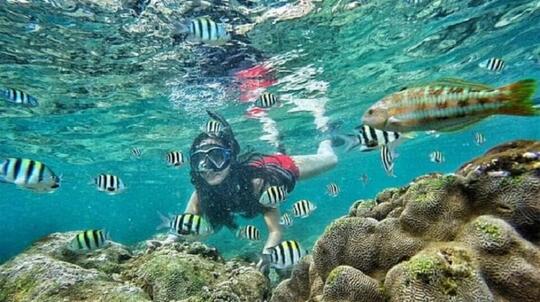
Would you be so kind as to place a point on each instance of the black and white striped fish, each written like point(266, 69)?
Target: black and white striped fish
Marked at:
point(266, 100)
point(204, 29)
point(436, 157)
point(18, 97)
point(413, 2)
point(387, 159)
point(273, 196)
point(332, 190)
point(479, 138)
point(369, 138)
point(136, 152)
point(111, 184)
point(175, 158)
point(286, 254)
point(248, 232)
point(303, 208)
point(493, 64)
point(213, 127)
point(89, 240)
point(29, 174)
point(286, 220)
point(185, 224)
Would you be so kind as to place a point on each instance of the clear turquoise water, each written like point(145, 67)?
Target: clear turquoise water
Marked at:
point(108, 81)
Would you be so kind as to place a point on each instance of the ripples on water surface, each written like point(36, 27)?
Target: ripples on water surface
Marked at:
point(111, 76)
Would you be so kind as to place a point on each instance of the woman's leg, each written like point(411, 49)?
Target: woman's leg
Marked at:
point(312, 165)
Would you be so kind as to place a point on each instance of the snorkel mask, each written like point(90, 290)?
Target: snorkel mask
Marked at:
point(210, 158)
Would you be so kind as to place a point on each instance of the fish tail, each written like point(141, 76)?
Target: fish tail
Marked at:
point(164, 221)
point(519, 99)
point(350, 141)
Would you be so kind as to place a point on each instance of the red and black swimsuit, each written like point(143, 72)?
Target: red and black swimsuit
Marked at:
point(282, 161)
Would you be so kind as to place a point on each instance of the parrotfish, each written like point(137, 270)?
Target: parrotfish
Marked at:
point(449, 105)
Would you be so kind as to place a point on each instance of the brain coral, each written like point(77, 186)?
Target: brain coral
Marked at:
point(468, 236)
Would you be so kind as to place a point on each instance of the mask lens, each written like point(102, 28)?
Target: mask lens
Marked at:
point(212, 159)
point(217, 156)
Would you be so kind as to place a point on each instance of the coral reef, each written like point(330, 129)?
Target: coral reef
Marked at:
point(188, 272)
point(468, 236)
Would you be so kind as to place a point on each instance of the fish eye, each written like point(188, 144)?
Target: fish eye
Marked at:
point(370, 111)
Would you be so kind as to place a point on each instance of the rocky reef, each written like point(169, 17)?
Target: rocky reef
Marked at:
point(187, 272)
point(468, 236)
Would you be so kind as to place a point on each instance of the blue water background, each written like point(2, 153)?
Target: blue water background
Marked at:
point(348, 59)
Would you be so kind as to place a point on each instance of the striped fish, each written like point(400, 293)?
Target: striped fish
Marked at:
point(266, 100)
point(89, 240)
point(249, 232)
point(273, 196)
point(286, 254)
point(303, 208)
point(18, 97)
point(29, 174)
point(213, 127)
point(493, 64)
point(436, 157)
point(369, 138)
point(286, 220)
point(175, 158)
point(111, 184)
point(479, 138)
point(203, 29)
point(449, 105)
point(387, 159)
point(332, 190)
point(185, 224)
point(413, 2)
point(136, 152)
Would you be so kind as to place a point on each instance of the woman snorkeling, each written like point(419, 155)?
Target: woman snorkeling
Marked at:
point(227, 183)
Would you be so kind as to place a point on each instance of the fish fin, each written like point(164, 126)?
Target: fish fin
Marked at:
point(409, 135)
point(164, 221)
point(520, 100)
point(181, 27)
point(460, 83)
point(393, 120)
point(463, 125)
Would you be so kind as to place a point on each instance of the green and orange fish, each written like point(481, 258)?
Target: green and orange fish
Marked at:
point(449, 105)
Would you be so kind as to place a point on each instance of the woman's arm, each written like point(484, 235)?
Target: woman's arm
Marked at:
point(271, 218)
point(193, 204)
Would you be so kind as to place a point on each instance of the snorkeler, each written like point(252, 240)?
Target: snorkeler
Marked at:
point(227, 183)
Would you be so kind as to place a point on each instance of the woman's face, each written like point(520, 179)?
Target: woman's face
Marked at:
point(213, 177)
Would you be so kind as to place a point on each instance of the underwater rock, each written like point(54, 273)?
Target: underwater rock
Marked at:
point(37, 277)
point(347, 284)
point(195, 272)
point(469, 236)
point(180, 271)
point(443, 273)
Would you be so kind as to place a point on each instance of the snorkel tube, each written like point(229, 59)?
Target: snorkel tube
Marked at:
point(226, 134)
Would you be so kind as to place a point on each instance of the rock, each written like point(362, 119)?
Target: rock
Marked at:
point(446, 273)
point(347, 284)
point(37, 277)
point(176, 271)
point(194, 272)
point(469, 236)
